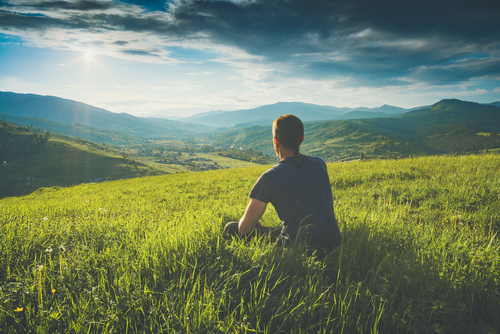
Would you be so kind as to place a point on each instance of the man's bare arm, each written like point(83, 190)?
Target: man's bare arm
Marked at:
point(253, 213)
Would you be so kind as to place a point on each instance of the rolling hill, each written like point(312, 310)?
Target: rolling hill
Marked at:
point(447, 126)
point(34, 161)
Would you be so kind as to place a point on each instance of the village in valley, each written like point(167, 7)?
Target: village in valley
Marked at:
point(193, 157)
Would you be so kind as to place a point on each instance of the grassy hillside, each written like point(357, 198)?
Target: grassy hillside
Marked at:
point(420, 253)
point(58, 162)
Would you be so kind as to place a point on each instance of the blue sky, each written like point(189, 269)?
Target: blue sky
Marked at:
point(180, 57)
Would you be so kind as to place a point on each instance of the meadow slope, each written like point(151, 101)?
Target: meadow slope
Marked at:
point(420, 254)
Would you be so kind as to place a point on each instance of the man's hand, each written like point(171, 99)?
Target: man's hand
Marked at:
point(253, 213)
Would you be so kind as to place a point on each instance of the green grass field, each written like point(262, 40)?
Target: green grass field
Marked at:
point(420, 254)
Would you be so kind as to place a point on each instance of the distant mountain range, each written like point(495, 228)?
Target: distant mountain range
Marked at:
point(447, 126)
point(64, 111)
point(305, 111)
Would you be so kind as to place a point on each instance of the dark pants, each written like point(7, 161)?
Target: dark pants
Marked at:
point(274, 234)
point(231, 229)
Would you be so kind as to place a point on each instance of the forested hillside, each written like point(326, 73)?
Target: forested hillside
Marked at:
point(20, 144)
point(449, 126)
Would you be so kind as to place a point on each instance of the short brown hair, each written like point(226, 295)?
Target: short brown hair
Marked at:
point(289, 130)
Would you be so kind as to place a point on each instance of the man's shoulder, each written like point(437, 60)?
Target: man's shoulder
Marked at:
point(280, 168)
point(311, 158)
point(307, 159)
point(289, 164)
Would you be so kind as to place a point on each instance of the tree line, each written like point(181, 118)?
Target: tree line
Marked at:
point(18, 142)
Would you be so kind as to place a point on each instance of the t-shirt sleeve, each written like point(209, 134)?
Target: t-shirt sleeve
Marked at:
point(260, 190)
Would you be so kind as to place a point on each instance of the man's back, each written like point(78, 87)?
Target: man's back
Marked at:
point(301, 199)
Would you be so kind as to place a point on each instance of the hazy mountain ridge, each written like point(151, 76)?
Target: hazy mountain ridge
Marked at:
point(65, 111)
point(75, 130)
point(305, 111)
point(357, 114)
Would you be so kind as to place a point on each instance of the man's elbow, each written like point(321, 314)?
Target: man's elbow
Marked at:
point(243, 228)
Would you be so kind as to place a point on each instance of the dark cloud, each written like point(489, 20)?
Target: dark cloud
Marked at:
point(265, 26)
point(121, 43)
point(75, 5)
point(11, 21)
point(460, 71)
point(151, 5)
point(374, 40)
point(139, 53)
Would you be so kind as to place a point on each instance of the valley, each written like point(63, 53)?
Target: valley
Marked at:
point(61, 151)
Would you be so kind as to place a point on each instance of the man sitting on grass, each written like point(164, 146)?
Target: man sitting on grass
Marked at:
point(298, 187)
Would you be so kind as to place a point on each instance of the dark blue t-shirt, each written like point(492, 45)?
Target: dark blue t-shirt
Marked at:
point(301, 198)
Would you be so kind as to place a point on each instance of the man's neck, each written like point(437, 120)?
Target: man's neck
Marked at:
point(286, 154)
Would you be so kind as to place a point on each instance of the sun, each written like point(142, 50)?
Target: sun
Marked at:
point(89, 56)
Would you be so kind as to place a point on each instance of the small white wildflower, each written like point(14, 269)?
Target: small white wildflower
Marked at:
point(62, 248)
point(45, 218)
point(49, 250)
point(100, 208)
